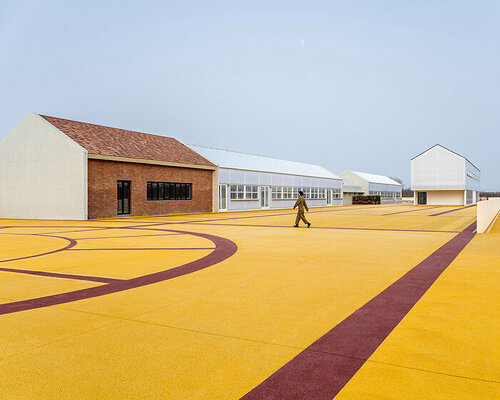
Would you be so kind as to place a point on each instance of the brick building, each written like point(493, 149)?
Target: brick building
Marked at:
point(56, 168)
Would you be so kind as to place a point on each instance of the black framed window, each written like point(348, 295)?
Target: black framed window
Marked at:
point(169, 191)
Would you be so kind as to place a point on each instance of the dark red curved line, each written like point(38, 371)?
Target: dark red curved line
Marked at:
point(321, 370)
point(146, 248)
point(78, 230)
point(72, 243)
point(402, 212)
point(224, 248)
point(450, 211)
point(129, 236)
point(59, 275)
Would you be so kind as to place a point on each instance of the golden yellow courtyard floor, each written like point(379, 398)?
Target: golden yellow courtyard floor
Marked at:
point(371, 302)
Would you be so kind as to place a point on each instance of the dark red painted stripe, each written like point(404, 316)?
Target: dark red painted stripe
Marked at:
point(324, 368)
point(78, 230)
point(64, 276)
point(129, 236)
point(327, 227)
point(450, 211)
point(402, 212)
point(146, 248)
point(224, 248)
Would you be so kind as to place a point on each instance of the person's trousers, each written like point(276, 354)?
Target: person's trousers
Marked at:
point(301, 216)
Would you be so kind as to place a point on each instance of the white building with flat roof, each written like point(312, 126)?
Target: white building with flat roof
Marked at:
point(373, 185)
point(250, 182)
point(439, 176)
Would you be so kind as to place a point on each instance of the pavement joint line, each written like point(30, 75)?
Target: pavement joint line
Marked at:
point(467, 223)
point(300, 348)
point(434, 372)
point(331, 209)
point(328, 227)
point(60, 340)
point(408, 211)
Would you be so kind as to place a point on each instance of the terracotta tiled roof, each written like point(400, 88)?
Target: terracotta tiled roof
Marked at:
point(104, 140)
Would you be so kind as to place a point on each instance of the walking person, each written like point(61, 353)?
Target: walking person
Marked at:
point(301, 204)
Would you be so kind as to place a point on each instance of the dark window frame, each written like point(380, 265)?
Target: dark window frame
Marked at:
point(121, 209)
point(161, 191)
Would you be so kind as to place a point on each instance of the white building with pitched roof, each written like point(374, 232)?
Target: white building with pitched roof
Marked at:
point(439, 176)
point(374, 185)
point(249, 182)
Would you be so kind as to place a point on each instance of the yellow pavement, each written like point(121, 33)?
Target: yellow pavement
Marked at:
point(220, 331)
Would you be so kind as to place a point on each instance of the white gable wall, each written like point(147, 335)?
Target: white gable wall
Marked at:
point(357, 180)
point(438, 169)
point(43, 173)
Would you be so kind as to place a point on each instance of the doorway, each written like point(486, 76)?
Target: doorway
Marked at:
point(223, 197)
point(329, 197)
point(123, 197)
point(264, 196)
point(422, 198)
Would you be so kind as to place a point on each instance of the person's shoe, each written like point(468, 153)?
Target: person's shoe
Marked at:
point(308, 224)
point(295, 226)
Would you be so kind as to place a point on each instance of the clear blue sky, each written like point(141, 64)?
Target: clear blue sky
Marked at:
point(362, 85)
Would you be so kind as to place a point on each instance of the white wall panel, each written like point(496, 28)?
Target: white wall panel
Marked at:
point(445, 197)
point(438, 169)
point(472, 177)
point(43, 173)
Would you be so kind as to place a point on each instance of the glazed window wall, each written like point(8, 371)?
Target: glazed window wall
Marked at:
point(244, 192)
point(290, 192)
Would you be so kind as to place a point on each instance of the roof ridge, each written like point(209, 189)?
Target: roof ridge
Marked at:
point(107, 126)
point(451, 151)
point(117, 142)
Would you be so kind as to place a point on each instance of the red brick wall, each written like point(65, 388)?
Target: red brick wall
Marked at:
point(102, 177)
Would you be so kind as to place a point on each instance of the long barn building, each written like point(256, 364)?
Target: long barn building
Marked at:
point(250, 182)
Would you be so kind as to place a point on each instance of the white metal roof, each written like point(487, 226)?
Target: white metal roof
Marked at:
point(373, 178)
point(250, 162)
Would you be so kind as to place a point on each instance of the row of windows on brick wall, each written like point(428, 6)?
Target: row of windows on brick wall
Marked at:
point(169, 191)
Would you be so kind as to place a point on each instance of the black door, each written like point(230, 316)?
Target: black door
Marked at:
point(422, 197)
point(123, 197)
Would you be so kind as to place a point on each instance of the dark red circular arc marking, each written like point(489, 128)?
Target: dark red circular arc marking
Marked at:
point(224, 248)
point(321, 370)
point(72, 243)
